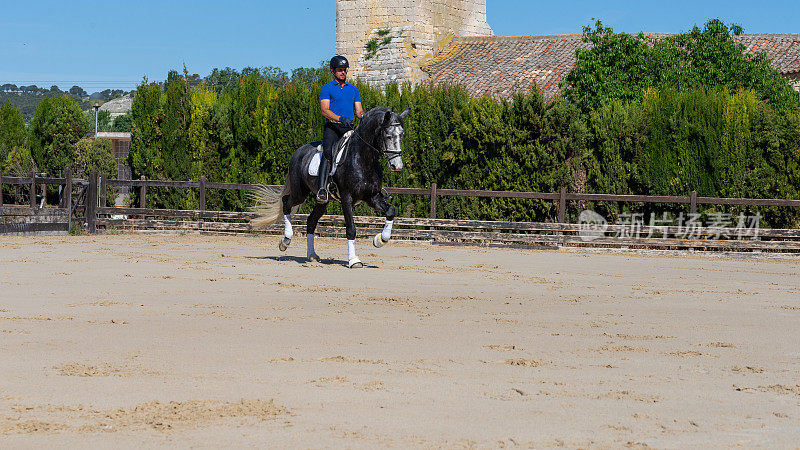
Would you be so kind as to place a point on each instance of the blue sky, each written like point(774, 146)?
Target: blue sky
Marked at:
point(101, 45)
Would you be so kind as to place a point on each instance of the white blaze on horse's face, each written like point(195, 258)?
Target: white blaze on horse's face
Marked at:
point(393, 138)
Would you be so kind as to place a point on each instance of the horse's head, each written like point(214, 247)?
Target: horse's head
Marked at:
point(392, 135)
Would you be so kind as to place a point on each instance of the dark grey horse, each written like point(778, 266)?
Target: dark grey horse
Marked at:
point(358, 178)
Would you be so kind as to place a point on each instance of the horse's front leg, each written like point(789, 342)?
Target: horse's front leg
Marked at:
point(311, 226)
point(380, 203)
point(350, 229)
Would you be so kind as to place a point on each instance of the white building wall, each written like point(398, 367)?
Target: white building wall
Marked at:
point(794, 78)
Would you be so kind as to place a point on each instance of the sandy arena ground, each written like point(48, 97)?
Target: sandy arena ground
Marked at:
point(201, 341)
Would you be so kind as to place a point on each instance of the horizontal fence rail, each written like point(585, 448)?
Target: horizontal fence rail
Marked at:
point(535, 233)
point(37, 217)
point(532, 233)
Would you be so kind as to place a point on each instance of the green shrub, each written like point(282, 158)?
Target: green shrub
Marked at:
point(95, 154)
point(12, 129)
point(57, 125)
point(714, 141)
point(621, 66)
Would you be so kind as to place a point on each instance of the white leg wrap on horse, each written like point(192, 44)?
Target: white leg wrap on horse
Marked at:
point(386, 234)
point(381, 239)
point(310, 243)
point(352, 259)
point(287, 226)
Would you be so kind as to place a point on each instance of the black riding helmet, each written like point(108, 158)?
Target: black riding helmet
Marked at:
point(339, 61)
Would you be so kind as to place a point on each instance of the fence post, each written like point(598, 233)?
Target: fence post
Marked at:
point(67, 196)
point(43, 188)
point(202, 202)
point(693, 203)
point(103, 190)
point(33, 189)
point(433, 200)
point(91, 203)
point(202, 194)
point(61, 188)
point(562, 204)
point(142, 194)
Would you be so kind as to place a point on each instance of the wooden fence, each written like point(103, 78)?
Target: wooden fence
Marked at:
point(98, 216)
point(36, 218)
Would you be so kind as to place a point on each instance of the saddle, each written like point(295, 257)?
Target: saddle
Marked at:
point(338, 153)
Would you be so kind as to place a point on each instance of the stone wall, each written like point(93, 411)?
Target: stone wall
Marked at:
point(416, 29)
point(391, 61)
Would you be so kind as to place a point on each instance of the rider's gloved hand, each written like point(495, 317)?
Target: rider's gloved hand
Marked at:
point(346, 121)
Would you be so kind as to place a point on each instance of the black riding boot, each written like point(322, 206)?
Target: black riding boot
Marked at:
point(324, 170)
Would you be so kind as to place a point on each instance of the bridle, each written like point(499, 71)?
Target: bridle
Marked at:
point(389, 154)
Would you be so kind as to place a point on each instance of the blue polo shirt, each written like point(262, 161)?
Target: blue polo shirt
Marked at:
point(343, 98)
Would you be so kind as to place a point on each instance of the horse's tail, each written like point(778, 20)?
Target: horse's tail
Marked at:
point(268, 205)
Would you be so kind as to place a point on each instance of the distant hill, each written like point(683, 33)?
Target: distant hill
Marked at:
point(27, 101)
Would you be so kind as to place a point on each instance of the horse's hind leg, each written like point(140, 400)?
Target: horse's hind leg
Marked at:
point(287, 223)
point(381, 203)
point(311, 226)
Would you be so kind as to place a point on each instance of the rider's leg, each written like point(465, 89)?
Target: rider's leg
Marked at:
point(329, 138)
point(322, 181)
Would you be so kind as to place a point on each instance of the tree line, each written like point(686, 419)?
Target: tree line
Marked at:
point(108, 94)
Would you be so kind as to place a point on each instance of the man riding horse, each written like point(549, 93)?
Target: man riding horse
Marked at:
point(358, 176)
point(337, 100)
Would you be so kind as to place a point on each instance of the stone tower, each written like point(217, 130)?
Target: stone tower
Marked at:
point(389, 40)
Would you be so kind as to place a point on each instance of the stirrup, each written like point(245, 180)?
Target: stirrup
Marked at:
point(322, 196)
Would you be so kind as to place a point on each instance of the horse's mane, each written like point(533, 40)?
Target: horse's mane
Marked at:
point(372, 120)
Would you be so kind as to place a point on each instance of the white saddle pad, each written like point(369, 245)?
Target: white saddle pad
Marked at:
point(313, 167)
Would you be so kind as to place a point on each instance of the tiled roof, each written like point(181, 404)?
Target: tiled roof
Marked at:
point(501, 65)
point(782, 49)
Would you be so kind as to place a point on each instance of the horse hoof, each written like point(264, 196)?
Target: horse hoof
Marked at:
point(284, 244)
point(378, 241)
point(355, 263)
point(313, 258)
